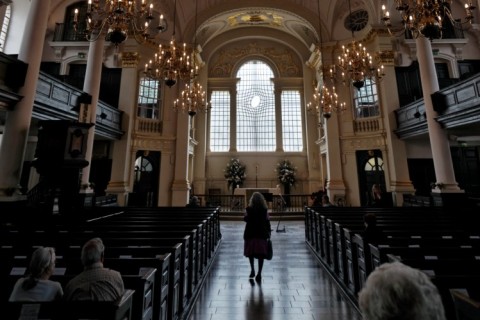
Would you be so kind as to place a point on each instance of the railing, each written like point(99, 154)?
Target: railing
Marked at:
point(235, 204)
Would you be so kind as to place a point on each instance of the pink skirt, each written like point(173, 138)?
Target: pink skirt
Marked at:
point(256, 248)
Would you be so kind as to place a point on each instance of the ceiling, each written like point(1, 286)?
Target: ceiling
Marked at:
point(295, 18)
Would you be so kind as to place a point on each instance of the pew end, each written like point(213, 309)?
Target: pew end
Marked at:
point(466, 308)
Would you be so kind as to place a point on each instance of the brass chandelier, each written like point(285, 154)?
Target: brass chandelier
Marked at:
point(171, 61)
point(426, 18)
point(193, 97)
point(355, 63)
point(325, 100)
point(118, 19)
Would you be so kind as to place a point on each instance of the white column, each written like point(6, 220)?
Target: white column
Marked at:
point(201, 134)
point(91, 86)
point(181, 186)
point(122, 163)
point(442, 159)
point(335, 183)
point(17, 126)
point(278, 118)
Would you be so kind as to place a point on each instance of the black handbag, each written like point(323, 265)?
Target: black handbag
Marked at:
point(269, 250)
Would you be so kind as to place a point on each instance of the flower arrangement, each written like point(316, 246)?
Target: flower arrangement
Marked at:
point(235, 173)
point(286, 173)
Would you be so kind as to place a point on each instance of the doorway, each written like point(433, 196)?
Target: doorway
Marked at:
point(146, 178)
point(370, 171)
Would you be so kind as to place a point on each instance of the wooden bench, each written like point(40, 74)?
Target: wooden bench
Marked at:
point(120, 309)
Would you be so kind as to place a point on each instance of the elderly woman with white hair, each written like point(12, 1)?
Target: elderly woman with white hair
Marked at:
point(395, 291)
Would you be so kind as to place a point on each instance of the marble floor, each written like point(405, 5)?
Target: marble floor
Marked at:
point(294, 285)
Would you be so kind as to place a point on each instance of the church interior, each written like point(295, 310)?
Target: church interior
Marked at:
point(137, 106)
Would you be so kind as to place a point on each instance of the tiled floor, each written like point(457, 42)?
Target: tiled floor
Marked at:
point(294, 285)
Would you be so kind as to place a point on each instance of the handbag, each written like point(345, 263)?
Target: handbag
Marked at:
point(269, 250)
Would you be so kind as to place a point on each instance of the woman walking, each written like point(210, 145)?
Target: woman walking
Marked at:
point(257, 231)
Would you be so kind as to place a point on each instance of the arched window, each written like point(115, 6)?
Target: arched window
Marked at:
point(256, 113)
point(255, 107)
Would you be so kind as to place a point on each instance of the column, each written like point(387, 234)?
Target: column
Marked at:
point(167, 162)
point(442, 159)
point(15, 135)
point(395, 155)
point(91, 86)
point(122, 165)
point(181, 186)
point(199, 168)
point(335, 183)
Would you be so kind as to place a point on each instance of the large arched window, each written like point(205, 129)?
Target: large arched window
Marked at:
point(255, 107)
point(256, 118)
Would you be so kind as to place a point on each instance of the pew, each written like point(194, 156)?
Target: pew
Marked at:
point(120, 309)
point(466, 308)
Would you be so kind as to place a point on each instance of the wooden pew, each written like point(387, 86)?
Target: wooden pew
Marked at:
point(120, 309)
point(466, 308)
point(142, 284)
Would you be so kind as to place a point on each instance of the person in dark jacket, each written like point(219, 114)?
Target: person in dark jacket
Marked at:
point(372, 233)
point(257, 231)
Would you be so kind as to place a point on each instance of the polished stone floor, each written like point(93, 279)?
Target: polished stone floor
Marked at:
point(294, 285)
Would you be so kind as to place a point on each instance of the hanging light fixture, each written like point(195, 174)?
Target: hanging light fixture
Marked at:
point(171, 62)
point(117, 19)
point(355, 63)
point(325, 100)
point(426, 18)
point(193, 97)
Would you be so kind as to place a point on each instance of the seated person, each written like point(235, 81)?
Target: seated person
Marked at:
point(372, 233)
point(37, 286)
point(95, 283)
point(397, 291)
point(194, 202)
point(326, 201)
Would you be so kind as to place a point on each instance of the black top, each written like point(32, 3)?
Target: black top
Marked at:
point(372, 234)
point(258, 224)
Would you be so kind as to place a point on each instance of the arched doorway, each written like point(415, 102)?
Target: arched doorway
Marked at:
point(145, 185)
point(370, 171)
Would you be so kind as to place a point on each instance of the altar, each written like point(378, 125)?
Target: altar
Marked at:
point(247, 192)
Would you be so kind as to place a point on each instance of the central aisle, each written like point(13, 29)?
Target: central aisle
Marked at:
point(294, 285)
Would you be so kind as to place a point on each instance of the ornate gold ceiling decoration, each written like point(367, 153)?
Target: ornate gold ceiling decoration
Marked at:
point(227, 59)
point(258, 17)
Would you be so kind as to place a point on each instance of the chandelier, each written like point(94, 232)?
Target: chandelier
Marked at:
point(192, 99)
point(357, 65)
point(171, 62)
point(325, 100)
point(118, 19)
point(426, 18)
